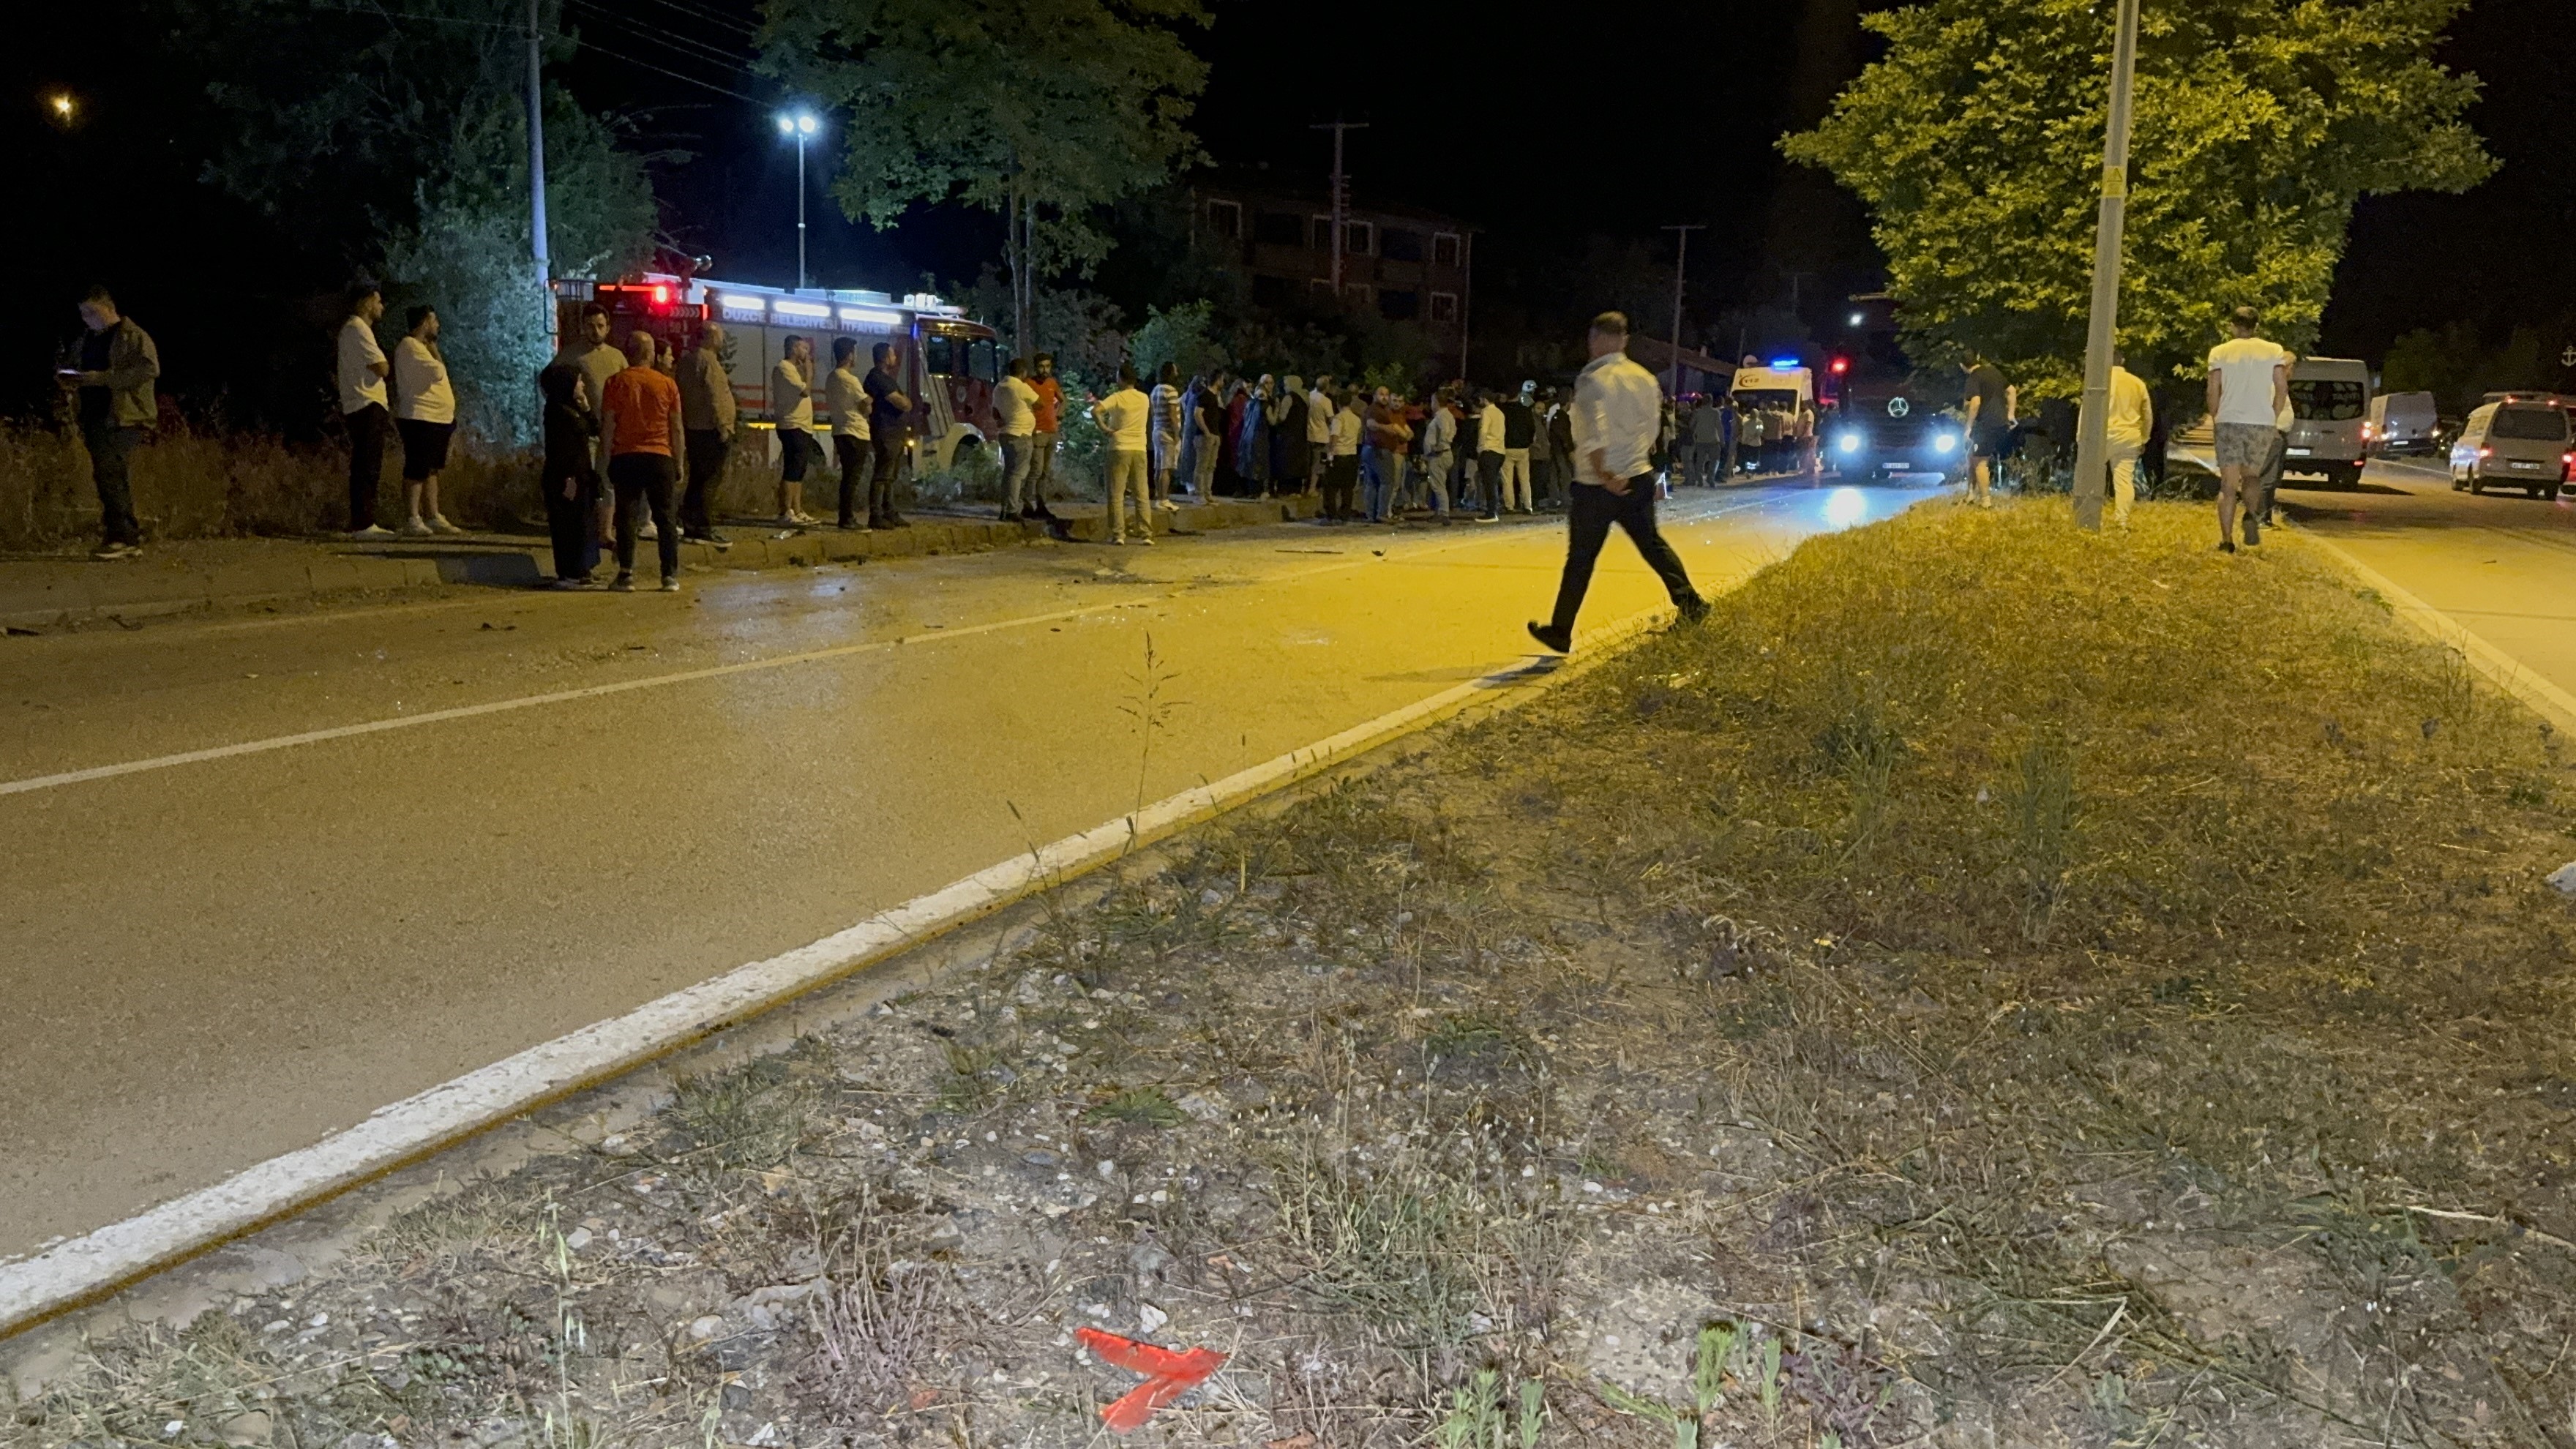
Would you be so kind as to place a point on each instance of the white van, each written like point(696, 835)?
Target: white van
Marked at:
point(2402, 422)
point(2330, 409)
point(2519, 440)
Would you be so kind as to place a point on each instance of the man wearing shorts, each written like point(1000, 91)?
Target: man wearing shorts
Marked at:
point(1989, 422)
point(2249, 390)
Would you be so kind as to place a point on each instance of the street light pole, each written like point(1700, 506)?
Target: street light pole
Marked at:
point(2092, 445)
point(537, 165)
point(802, 126)
point(1681, 255)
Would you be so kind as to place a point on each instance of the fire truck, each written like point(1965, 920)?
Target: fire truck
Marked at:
point(947, 364)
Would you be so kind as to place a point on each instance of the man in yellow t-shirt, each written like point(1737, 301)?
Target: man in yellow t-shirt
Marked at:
point(2131, 418)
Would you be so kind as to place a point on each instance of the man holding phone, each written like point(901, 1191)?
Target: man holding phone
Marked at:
point(113, 381)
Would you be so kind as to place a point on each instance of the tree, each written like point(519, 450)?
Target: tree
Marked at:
point(1976, 143)
point(403, 135)
point(1028, 108)
point(1178, 335)
point(467, 253)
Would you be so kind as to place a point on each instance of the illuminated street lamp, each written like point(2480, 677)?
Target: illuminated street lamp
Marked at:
point(802, 127)
point(63, 107)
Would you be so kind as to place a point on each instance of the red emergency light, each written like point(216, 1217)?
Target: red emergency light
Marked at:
point(1841, 366)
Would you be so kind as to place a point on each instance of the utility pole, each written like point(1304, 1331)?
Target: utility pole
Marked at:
point(2091, 432)
point(1794, 279)
point(1340, 194)
point(1681, 255)
point(537, 165)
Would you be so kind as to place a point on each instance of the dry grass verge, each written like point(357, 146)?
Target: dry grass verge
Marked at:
point(1987, 987)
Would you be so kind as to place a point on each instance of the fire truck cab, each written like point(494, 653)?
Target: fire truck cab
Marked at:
point(946, 363)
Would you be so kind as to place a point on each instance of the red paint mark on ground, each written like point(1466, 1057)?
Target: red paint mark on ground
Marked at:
point(1168, 1375)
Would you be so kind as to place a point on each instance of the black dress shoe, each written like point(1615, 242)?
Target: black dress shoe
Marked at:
point(1559, 640)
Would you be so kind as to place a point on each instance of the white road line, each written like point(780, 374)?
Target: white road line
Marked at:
point(2510, 674)
point(686, 676)
point(89, 1266)
point(532, 701)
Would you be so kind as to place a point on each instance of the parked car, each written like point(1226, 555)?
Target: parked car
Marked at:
point(2515, 442)
point(2400, 423)
point(2329, 407)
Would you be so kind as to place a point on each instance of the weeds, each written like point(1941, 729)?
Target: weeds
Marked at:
point(1141, 1106)
point(1479, 1417)
point(2043, 833)
point(878, 1320)
point(1395, 1249)
point(749, 1118)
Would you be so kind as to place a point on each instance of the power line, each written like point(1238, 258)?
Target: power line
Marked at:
point(593, 45)
point(584, 43)
point(749, 30)
point(686, 45)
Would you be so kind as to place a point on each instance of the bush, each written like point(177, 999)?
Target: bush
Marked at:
point(201, 483)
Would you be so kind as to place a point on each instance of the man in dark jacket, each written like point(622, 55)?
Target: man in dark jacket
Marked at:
point(114, 378)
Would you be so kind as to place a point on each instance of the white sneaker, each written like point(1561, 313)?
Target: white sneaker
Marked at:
point(415, 528)
point(1168, 506)
point(438, 524)
point(787, 520)
point(648, 531)
point(373, 530)
point(1146, 542)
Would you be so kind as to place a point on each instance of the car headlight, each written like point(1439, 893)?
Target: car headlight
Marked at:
point(1848, 442)
point(1944, 442)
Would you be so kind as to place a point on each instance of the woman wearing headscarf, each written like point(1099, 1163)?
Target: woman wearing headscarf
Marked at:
point(1238, 412)
point(1252, 445)
point(1288, 448)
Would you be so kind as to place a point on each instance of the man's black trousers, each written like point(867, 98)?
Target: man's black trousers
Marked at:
point(1588, 524)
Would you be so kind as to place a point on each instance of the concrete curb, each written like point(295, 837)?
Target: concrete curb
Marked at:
point(84, 1270)
point(51, 594)
point(2546, 699)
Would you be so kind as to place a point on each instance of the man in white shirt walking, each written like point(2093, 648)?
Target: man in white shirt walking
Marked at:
point(1617, 409)
point(361, 373)
point(1122, 416)
point(2249, 388)
point(1015, 407)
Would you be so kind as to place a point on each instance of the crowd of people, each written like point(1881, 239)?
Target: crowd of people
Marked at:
point(1372, 455)
point(637, 460)
point(1716, 439)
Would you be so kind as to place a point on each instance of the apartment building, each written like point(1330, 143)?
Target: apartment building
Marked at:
point(1400, 263)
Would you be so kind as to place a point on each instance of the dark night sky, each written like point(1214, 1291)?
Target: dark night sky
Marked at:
point(1615, 118)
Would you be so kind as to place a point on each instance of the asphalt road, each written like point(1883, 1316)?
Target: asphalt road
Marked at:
point(587, 801)
point(2502, 566)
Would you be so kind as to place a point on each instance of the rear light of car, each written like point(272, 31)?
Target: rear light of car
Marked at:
point(2365, 432)
point(2486, 452)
